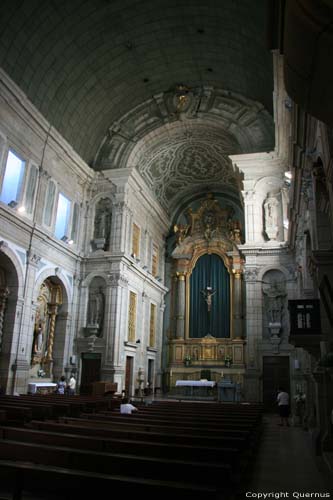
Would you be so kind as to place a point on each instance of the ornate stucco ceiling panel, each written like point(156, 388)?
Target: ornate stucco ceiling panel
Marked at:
point(239, 123)
point(183, 168)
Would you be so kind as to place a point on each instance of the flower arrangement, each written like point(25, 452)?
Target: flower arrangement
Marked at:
point(187, 360)
point(227, 360)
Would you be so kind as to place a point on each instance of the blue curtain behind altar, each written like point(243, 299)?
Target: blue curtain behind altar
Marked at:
point(210, 271)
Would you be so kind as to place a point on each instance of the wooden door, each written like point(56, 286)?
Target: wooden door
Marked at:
point(91, 371)
point(275, 375)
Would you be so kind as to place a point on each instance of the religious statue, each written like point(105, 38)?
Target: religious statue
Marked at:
point(102, 223)
point(38, 338)
point(209, 221)
point(275, 293)
point(181, 231)
point(208, 292)
point(96, 307)
point(272, 216)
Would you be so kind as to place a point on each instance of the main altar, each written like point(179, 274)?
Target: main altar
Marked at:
point(206, 339)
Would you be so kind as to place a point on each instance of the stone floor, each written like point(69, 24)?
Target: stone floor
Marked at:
point(285, 464)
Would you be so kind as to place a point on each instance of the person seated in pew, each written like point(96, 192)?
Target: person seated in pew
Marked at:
point(127, 407)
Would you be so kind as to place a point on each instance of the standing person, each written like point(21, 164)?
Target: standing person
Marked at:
point(300, 400)
point(61, 385)
point(127, 407)
point(283, 404)
point(71, 385)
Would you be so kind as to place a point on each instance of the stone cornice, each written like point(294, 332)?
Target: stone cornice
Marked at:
point(282, 248)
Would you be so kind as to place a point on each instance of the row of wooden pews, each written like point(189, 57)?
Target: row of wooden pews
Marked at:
point(197, 450)
point(23, 408)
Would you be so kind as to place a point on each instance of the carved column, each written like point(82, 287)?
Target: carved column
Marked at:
point(117, 310)
point(249, 202)
point(119, 229)
point(4, 292)
point(174, 306)
point(237, 304)
point(53, 310)
point(180, 318)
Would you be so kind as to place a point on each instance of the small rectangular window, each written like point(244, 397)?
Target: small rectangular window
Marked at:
point(12, 180)
point(62, 216)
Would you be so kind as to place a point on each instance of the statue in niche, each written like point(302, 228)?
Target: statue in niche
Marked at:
point(102, 224)
point(38, 338)
point(96, 307)
point(272, 215)
point(209, 221)
point(275, 293)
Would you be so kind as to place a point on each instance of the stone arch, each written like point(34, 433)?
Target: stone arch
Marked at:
point(265, 269)
point(19, 267)
point(49, 339)
point(11, 287)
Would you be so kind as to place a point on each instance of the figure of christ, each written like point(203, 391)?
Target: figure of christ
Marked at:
point(208, 292)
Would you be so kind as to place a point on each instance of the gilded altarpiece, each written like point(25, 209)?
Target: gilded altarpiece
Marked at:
point(48, 303)
point(206, 334)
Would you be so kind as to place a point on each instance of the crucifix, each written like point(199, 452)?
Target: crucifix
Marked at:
point(208, 292)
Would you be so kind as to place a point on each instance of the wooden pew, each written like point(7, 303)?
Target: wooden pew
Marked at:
point(140, 467)
point(100, 428)
point(16, 413)
point(143, 448)
point(150, 425)
point(18, 478)
point(229, 422)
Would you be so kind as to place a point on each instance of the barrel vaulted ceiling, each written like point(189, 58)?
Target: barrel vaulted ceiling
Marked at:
point(171, 87)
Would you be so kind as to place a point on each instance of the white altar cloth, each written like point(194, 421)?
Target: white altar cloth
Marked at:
point(34, 386)
point(195, 383)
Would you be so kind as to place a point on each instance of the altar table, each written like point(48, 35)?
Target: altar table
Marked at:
point(46, 387)
point(201, 389)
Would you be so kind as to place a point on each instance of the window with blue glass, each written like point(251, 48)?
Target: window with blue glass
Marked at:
point(13, 178)
point(63, 211)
